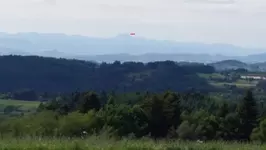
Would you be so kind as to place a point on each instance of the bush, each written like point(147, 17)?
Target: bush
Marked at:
point(77, 124)
point(41, 124)
point(186, 131)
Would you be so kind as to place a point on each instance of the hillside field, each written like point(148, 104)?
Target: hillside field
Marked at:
point(239, 84)
point(219, 80)
point(21, 105)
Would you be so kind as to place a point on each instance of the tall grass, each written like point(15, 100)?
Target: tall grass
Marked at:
point(99, 143)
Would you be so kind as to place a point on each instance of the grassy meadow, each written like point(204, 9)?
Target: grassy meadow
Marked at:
point(240, 83)
point(23, 106)
point(101, 144)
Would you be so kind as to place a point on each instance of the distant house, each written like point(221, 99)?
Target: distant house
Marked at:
point(254, 77)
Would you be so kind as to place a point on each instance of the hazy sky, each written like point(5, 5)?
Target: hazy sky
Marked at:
point(240, 22)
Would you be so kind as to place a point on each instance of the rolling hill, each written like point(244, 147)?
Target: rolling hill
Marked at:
point(230, 65)
point(64, 75)
point(235, 64)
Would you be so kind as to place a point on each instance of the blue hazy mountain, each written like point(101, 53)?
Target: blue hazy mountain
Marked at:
point(122, 47)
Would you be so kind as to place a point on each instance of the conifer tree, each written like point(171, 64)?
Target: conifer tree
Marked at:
point(248, 115)
point(172, 109)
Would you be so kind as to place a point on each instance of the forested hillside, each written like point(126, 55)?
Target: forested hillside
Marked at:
point(229, 64)
point(62, 75)
point(235, 64)
point(128, 100)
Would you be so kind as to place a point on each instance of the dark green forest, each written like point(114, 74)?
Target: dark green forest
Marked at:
point(62, 75)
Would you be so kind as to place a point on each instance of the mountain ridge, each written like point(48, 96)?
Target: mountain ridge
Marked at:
point(110, 49)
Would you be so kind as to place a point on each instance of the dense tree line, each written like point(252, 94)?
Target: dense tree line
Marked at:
point(187, 116)
point(63, 75)
point(119, 105)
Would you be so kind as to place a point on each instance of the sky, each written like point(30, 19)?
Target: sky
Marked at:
point(238, 22)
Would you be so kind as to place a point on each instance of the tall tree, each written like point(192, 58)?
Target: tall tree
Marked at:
point(223, 110)
point(111, 100)
point(248, 115)
point(103, 97)
point(88, 102)
point(153, 107)
point(172, 109)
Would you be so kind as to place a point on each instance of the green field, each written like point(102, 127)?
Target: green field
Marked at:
point(213, 75)
point(23, 105)
point(238, 84)
point(100, 144)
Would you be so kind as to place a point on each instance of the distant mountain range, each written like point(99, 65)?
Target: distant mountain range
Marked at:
point(121, 48)
point(148, 57)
